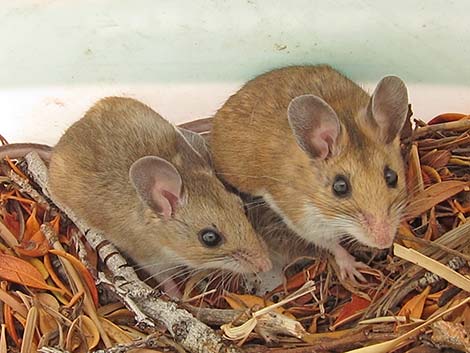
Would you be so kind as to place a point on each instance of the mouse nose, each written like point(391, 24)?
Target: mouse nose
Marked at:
point(380, 230)
point(252, 261)
point(262, 264)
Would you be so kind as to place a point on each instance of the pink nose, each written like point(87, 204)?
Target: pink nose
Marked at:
point(379, 229)
point(262, 264)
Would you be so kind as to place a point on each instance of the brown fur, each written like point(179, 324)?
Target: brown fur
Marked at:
point(255, 150)
point(89, 173)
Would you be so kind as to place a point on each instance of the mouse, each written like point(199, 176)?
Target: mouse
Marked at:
point(321, 152)
point(150, 188)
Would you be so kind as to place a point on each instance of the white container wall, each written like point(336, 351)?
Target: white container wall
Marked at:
point(184, 58)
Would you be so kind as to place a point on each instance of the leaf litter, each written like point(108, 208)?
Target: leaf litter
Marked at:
point(416, 297)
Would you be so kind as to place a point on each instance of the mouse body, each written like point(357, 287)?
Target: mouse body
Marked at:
point(321, 152)
point(149, 187)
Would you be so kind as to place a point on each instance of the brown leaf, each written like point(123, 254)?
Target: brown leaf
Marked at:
point(351, 310)
point(446, 117)
point(37, 245)
point(434, 195)
point(32, 225)
point(414, 307)
point(436, 158)
point(19, 271)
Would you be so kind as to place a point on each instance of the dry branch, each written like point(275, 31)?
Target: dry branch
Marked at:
point(141, 299)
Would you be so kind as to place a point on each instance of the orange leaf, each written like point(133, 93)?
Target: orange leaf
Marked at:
point(351, 310)
point(55, 224)
point(415, 306)
point(55, 278)
point(35, 247)
point(15, 168)
point(19, 271)
point(87, 277)
point(10, 325)
point(32, 225)
point(12, 223)
point(434, 195)
point(446, 117)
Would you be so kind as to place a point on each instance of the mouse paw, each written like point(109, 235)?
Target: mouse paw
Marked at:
point(348, 266)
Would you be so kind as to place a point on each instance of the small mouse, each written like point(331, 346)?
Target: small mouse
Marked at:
point(321, 152)
point(149, 187)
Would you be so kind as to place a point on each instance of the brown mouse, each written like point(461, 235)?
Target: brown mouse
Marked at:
point(149, 188)
point(321, 152)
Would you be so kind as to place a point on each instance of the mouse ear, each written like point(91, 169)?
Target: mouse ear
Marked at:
point(157, 183)
point(388, 107)
point(315, 125)
point(198, 143)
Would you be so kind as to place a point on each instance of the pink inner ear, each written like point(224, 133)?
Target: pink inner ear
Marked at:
point(172, 199)
point(166, 202)
point(323, 140)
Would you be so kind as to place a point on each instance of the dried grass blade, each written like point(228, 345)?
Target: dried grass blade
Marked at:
point(433, 266)
point(13, 303)
point(3, 340)
point(29, 330)
point(389, 346)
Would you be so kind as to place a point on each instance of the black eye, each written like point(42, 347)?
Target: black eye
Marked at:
point(391, 178)
point(210, 238)
point(341, 186)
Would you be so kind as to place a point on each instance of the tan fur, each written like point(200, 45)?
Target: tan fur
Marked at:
point(89, 173)
point(255, 150)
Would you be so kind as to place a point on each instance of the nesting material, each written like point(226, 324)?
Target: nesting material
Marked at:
point(63, 288)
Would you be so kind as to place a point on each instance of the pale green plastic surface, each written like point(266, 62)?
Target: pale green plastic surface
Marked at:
point(111, 41)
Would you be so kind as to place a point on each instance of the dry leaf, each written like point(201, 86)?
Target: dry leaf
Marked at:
point(434, 195)
point(446, 117)
point(3, 340)
point(19, 271)
point(80, 267)
point(30, 328)
point(351, 310)
point(35, 246)
point(32, 225)
point(116, 333)
point(436, 158)
point(90, 331)
point(415, 306)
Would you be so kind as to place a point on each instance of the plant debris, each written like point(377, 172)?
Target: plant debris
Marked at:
point(54, 294)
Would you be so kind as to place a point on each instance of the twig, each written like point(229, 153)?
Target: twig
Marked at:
point(141, 299)
point(458, 125)
point(26, 187)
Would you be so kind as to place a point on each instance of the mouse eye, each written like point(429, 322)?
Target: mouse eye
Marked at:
point(210, 237)
point(391, 177)
point(341, 186)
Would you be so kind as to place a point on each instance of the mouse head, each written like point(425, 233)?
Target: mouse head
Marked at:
point(198, 220)
point(359, 183)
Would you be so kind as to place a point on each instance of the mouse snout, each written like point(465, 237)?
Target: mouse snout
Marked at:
point(380, 229)
point(250, 261)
